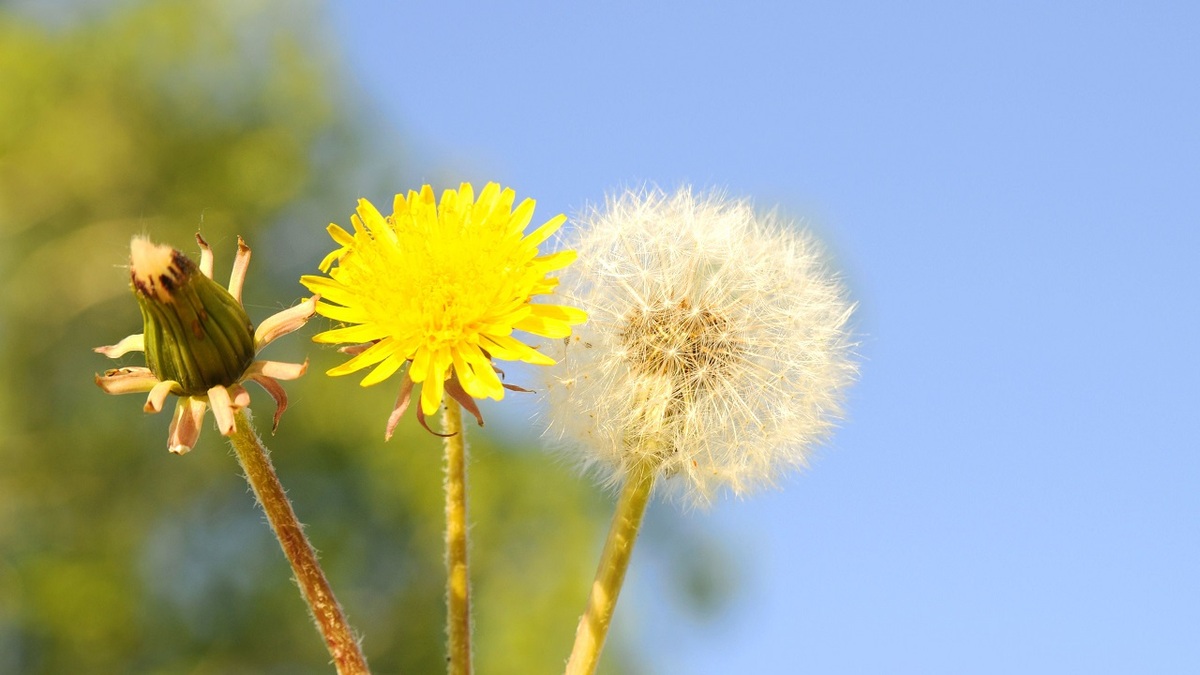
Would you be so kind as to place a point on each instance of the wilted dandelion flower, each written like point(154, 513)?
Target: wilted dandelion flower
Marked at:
point(441, 287)
point(199, 345)
point(716, 349)
point(198, 341)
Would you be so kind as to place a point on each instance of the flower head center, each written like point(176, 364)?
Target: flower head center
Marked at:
point(438, 286)
point(693, 347)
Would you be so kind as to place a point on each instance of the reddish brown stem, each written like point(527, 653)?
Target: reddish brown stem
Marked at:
point(339, 638)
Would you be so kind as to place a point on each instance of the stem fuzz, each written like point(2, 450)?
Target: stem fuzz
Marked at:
point(458, 581)
point(339, 638)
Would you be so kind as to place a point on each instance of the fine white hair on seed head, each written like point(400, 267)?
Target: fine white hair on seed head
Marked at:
point(717, 346)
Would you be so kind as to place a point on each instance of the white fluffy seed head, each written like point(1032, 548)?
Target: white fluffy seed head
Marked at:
point(716, 345)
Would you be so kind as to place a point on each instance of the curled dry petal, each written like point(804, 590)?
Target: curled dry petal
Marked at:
point(405, 397)
point(455, 390)
point(277, 369)
point(277, 392)
point(241, 397)
point(206, 256)
point(218, 398)
point(238, 277)
point(185, 426)
point(355, 350)
point(402, 402)
point(282, 323)
point(421, 419)
point(158, 396)
point(133, 380)
point(133, 343)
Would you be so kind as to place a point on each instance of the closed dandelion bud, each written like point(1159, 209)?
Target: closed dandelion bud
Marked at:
point(196, 333)
point(198, 341)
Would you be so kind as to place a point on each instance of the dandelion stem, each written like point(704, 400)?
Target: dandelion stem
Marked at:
point(458, 582)
point(610, 575)
point(339, 638)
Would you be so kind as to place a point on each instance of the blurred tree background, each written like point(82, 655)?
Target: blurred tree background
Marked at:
point(229, 118)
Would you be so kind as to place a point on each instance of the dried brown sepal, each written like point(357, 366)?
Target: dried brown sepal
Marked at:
point(455, 390)
point(402, 402)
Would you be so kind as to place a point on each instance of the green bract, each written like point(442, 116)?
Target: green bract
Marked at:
point(196, 333)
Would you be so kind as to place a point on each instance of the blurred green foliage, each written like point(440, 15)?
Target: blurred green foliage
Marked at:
point(115, 556)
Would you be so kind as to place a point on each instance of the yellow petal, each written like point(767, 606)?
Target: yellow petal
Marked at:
point(384, 370)
point(375, 222)
point(333, 256)
point(485, 204)
point(328, 289)
point(520, 218)
point(340, 236)
point(400, 208)
point(466, 376)
point(448, 207)
point(538, 325)
point(370, 356)
point(420, 365)
point(466, 195)
point(426, 195)
point(484, 373)
point(431, 392)
point(364, 333)
point(544, 286)
point(555, 261)
point(344, 314)
point(543, 233)
point(510, 349)
point(564, 313)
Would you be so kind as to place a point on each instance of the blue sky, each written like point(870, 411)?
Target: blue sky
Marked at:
point(1011, 192)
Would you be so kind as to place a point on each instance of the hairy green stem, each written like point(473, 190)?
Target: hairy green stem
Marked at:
point(458, 581)
point(610, 575)
point(339, 638)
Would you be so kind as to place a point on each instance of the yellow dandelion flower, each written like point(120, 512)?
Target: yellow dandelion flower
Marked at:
point(441, 286)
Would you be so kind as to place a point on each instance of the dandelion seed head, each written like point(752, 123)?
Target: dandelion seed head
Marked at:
point(716, 344)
